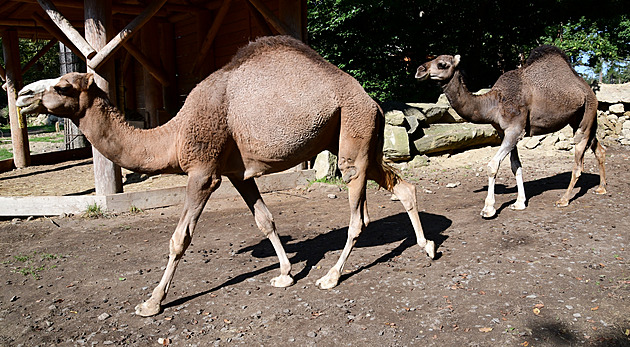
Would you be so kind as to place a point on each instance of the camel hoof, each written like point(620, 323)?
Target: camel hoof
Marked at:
point(430, 249)
point(600, 190)
point(517, 206)
point(488, 212)
point(329, 281)
point(147, 309)
point(562, 203)
point(282, 281)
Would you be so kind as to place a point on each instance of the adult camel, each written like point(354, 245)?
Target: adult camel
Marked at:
point(275, 105)
point(541, 97)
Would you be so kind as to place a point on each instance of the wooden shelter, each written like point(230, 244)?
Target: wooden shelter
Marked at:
point(148, 54)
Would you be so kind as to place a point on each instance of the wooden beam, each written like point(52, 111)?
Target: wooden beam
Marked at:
point(114, 44)
point(25, 23)
point(39, 54)
point(272, 18)
point(67, 28)
point(259, 19)
point(55, 32)
point(154, 70)
point(136, 10)
point(19, 132)
point(212, 33)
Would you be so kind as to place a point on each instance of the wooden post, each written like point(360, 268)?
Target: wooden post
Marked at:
point(98, 24)
point(290, 13)
point(152, 89)
point(19, 132)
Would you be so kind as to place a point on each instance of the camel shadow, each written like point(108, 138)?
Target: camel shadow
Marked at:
point(312, 251)
point(536, 187)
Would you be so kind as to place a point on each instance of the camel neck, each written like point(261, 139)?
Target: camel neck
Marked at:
point(473, 108)
point(149, 151)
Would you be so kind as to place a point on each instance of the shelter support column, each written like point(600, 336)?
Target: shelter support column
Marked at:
point(98, 25)
point(19, 132)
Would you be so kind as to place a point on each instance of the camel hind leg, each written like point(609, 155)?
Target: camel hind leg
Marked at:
point(600, 154)
point(387, 178)
point(199, 187)
point(264, 220)
point(353, 169)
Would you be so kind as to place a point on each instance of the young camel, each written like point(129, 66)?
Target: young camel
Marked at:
point(275, 105)
point(539, 98)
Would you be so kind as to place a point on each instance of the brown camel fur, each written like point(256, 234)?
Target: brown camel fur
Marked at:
point(275, 105)
point(539, 98)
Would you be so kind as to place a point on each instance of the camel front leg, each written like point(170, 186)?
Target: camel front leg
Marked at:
point(507, 145)
point(517, 170)
point(264, 220)
point(198, 190)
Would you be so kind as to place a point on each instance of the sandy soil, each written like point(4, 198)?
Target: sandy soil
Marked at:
point(544, 276)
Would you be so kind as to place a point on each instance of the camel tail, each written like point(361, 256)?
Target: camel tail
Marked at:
point(390, 175)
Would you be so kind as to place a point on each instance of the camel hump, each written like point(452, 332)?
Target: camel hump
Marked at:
point(545, 51)
point(274, 44)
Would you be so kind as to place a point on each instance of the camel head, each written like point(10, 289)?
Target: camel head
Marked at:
point(440, 69)
point(65, 96)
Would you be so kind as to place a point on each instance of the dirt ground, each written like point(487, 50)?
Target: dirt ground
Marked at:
point(544, 276)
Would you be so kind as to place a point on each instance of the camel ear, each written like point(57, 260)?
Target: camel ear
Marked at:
point(88, 81)
point(456, 60)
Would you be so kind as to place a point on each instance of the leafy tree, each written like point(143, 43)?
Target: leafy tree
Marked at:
point(382, 42)
point(46, 67)
point(595, 43)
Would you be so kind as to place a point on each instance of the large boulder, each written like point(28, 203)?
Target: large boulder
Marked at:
point(325, 165)
point(455, 137)
point(396, 144)
point(613, 93)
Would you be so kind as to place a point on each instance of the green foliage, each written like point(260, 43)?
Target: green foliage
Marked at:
point(595, 43)
point(31, 265)
point(382, 42)
point(5, 154)
point(93, 211)
point(46, 67)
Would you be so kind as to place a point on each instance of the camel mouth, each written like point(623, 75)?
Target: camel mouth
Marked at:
point(422, 73)
point(30, 107)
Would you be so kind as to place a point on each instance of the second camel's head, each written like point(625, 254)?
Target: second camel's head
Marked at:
point(440, 69)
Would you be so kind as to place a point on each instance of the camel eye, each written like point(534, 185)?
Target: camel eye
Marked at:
point(64, 90)
point(442, 65)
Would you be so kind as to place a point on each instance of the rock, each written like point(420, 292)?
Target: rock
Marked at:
point(103, 316)
point(616, 109)
point(625, 125)
point(325, 165)
point(396, 144)
point(455, 137)
point(451, 116)
point(443, 100)
point(564, 145)
point(550, 140)
point(429, 113)
point(533, 141)
point(613, 93)
point(395, 117)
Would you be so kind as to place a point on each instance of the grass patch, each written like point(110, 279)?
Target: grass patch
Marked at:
point(58, 138)
point(93, 211)
point(135, 210)
point(32, 264)
point(329, 180)
point(5, 154)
